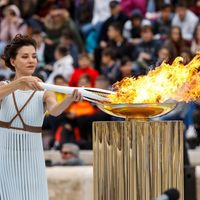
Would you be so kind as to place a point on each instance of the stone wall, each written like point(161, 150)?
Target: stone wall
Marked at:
point(70, 183)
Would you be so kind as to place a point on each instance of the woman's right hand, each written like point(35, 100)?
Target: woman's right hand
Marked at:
point(29, 82)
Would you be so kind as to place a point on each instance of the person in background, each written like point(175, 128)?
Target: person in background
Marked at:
point(102, 82)
point(69, 155)
point(45, 52)
point(58, 20)
point(116, 16)
point(175, 43)
point(126, 69)
point(163, 23)
point(132, 28)
point(187, 55)
point(195, 46)
point(163, 55)
point(110, 66)
point(11, 25)
point(52, 123)
point(145, 53)
point(67, 40)
point(85, 67)
point(5, 71)
point(186, 20)
point(63, 64)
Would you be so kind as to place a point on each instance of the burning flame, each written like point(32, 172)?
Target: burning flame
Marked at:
point(177, 81)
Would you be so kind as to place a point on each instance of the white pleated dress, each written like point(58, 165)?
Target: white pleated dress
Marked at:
point(22, 166)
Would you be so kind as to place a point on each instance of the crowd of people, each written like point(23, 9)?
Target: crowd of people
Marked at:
point(94, 43)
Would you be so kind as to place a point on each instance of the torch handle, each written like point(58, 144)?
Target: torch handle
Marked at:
point(88, 95)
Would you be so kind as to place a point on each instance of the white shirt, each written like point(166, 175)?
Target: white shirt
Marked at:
point(101, 11)
point(63, 67)
point(187, 25)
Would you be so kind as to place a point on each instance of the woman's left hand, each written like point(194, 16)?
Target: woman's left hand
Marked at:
point(76, 96)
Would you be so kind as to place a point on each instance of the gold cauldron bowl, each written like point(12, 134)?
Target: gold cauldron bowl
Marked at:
point(137, 110)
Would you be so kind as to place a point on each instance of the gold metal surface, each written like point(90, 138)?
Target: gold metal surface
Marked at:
point(137, 111)
point(137, 160)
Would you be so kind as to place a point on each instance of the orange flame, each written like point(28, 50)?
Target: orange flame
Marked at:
point(177, 81)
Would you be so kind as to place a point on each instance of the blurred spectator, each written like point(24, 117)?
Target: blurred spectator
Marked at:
point(63, 64)
point(115, 41)
point(195, 46)
point(129, 5)
point(132, 28)
point(85, 67)
point(146, 52)
point(125, 69)
point(45, 6)
point(187, 55)
point(91, 31)
point(4, 70)
point(102, 82)
point(175, 43)
point(163, 23)
point(163, 55)
point(186, 20)
point(118, 42)
point(67, 40)
point(116, 16)
point(196, 8)
point(11, 25)
point(27, 8)
point(101, 11)
point(110, 66)
point(45, 52)
point(83, 12)
point(74, 126)
point(70, 155)
point(3, 4)
point(56, 21)
point(60, 80)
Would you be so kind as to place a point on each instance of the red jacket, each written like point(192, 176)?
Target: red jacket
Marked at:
point(79, 72)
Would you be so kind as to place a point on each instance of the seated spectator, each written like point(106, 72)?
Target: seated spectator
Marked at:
point(115, 41)
point(85, 67)
point(118, 42)
point(146, 52)
point(132, 27)
point(45, 53)
point(63, 64)
point(67, 40)
point(11, 25)
point(70, 155)
point(52, 123)
point(163, 23)
point(129, 5)
point(116, 16)
point(126, 69)
point(163, 55)
point(102, 82)
point(195, 46)
point(187, 55)
point(175, 43)
point(196, 8)
point(186, 20)
point(58, 20)
point(110, 66)
point(5, 71)
point(60, 80)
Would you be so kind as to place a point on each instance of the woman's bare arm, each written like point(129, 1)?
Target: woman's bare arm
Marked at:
point(29, 82)
point(54, 108)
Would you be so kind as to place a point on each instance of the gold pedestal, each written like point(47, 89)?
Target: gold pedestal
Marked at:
point(137, 160)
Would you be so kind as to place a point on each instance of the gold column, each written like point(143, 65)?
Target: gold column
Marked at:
point(137, 160)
